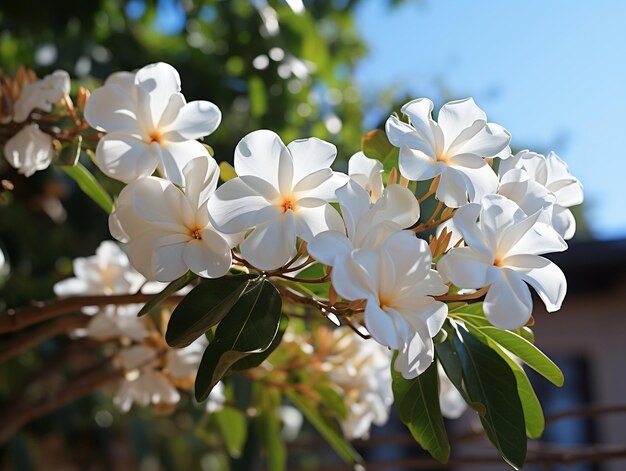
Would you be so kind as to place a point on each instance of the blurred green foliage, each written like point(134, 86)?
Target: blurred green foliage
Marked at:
point(264, 64)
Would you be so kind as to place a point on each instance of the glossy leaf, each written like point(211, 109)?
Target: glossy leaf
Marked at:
point(249, 327)
point(203, 307)
point(417, 403)
point(490, 382)
point(527, 352)
point(90, 186)
point(533, 413)
point(326, 429)
point(255, 359)
point(169, 290)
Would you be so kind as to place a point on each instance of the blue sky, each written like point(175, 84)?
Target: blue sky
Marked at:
point(552, 72)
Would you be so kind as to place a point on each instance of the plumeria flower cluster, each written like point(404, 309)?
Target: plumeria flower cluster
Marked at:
point(31, 149)
point(284, 194)
point(154, 372)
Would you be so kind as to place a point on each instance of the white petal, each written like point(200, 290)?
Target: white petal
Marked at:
point(174, 105)
point(543, 275)
point(539, 239)
point(456, 116)
point(201, 176)
point(417, 355)
point(327, 245)
point(380, 324)
point(353, 280)
point(160, 80)
point(420, 115)
point(236, 207)
point(417, 165)
point(480, 179)
point(314, 216)
point(259, 154)
point(195, 120)
point(465, 267)
point(271, 244)
point(564, 222)
point(209, 257)
point(452, 189)
point(367, 173)
point(124, 157)
point(310, 155)
point(113, 107)
point(406, 261)
point(465, 220)
point(508, 304)
point(354, 203)
point(162, 205)
point(175, 155)
point(398, 205)
point(488, 142)
point(418, 138)
point(165, 259)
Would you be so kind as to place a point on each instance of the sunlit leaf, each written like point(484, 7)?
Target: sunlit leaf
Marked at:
point(417, 403)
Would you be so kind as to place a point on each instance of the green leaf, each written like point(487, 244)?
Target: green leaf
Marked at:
point(321, 424)
point(203, 307)
point(417, 403)
point(489, 380)
point(376, 145)
point(234, 429)
point(169, 290)
point(527, 352)
point(255, 359)
point(249, 327)
point(70, 153)
point(316, 270)
point(90, 186)
point(533, 413)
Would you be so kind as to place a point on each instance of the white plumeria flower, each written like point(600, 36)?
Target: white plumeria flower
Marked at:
point(116, 322)
point(150, 126)
point(397, 281)
point(167, 230)
point(183, 363)
point(143, 384)
point(29, 150)
point(454, 148)
point(107, 272)
point(367, 225)
point(361, 369)
point(368, 173)
point(554, 175)
point(502, 252)
point(41, 94)
point(451, 402)
point(281, 193)
point(4, 265)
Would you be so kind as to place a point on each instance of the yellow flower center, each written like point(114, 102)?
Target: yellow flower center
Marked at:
point(287, 203)
point(155, 136)
point(195, 233)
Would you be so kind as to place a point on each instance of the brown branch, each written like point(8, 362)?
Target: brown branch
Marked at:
point(587, 411)
point(15, 416)
point(23, 342)
point(16, 319)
